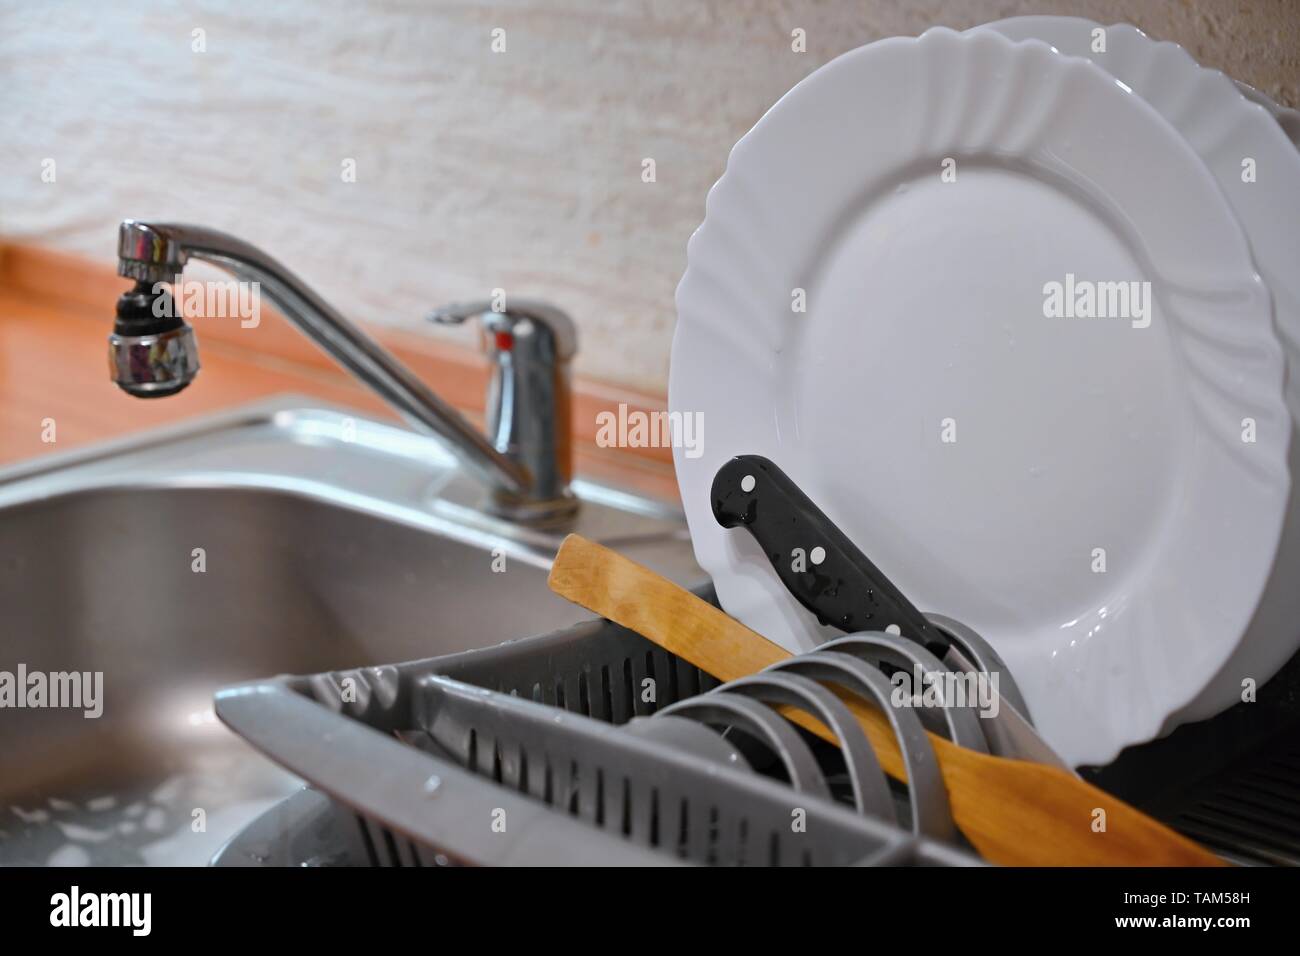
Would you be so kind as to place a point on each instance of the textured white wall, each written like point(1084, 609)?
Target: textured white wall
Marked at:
point(474, 169)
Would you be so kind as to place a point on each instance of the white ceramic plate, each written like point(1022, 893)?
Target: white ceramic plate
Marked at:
point(1285, 116)
point(1225, 129)
point(925, 320)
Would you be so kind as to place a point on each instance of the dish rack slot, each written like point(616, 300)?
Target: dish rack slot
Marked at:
point(384, 847)
point(604, 679)
point(615, 691)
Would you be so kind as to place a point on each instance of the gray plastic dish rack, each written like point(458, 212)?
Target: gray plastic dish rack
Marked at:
point(533, 753)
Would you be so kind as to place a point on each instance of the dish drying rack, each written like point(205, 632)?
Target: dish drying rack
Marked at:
point(1232, 782)
point(589, 745)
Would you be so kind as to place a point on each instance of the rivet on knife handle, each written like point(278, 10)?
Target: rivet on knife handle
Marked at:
point(816, 561)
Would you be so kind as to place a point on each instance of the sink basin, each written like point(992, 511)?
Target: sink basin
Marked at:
point(276, 538)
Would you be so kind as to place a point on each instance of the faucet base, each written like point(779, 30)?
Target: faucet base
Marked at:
point(530, 511)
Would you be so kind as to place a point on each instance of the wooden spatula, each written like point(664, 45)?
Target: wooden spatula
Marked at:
point(1013, 812)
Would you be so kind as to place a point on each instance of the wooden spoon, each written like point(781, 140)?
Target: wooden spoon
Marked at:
point(1014, 813)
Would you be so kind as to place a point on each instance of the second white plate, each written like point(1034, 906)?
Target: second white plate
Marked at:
point(1246, 149)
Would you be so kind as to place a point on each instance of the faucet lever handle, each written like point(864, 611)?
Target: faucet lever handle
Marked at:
point(522, 317)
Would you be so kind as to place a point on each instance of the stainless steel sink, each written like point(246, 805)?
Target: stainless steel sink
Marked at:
point(276, 538)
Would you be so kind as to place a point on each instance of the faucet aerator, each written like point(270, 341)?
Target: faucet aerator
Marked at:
point(152, 352)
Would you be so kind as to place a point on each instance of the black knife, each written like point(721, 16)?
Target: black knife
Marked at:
point(816, 561)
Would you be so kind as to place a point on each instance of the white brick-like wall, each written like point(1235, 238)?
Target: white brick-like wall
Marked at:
point(474, 169)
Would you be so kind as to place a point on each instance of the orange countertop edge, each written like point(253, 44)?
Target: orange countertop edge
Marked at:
point(56, 313)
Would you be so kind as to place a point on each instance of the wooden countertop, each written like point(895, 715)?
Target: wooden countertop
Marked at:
point(56, 313)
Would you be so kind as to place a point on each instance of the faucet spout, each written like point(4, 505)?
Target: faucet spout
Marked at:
point(152, 353)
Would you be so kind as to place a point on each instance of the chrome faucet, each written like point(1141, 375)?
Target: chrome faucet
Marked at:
point(527, 461)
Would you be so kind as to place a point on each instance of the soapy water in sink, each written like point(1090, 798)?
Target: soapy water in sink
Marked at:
point(146, 819)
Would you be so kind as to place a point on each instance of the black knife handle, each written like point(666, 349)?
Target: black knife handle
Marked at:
point(815, 560)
